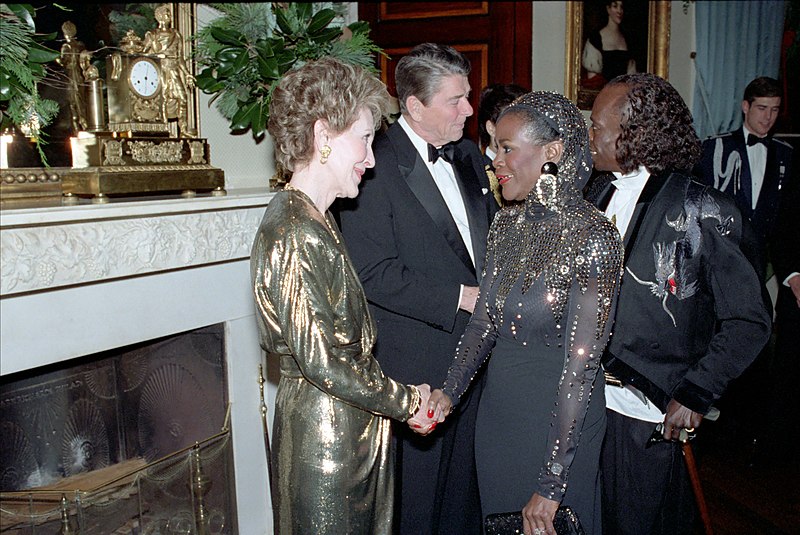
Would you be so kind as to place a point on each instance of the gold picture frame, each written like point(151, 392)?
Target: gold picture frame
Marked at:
point(185, 16)
point(656, 22)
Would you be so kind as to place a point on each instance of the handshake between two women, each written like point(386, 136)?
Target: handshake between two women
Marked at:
point(434, 407)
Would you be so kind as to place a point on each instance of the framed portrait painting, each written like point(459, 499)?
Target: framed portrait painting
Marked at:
point(606, 39)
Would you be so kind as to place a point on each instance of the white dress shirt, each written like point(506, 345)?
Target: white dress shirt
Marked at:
point(620, 210)
point(445, 179)
point(757, 156)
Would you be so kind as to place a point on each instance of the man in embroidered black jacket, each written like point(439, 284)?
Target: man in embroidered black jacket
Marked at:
point(690, 317)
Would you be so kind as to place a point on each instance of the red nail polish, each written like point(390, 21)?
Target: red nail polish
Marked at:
point(416, 426)
point(430, 413)
point(433, 426)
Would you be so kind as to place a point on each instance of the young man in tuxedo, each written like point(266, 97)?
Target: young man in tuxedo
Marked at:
point(417, 236)
point(782, 435)
point(690, 317)
point(755, 168)
point(751, 165)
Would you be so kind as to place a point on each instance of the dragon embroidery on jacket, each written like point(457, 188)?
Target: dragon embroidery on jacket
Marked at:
point(671, 277)
point(671, 274)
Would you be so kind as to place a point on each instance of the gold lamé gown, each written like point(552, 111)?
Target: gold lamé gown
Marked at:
point(331, 439)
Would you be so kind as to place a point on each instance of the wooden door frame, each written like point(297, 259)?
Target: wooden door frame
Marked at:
point(518, 16)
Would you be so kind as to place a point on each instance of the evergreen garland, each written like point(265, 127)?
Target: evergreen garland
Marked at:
point(22, 67)
point(244, 53)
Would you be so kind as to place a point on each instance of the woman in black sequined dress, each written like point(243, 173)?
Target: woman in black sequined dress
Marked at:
point(544, 314)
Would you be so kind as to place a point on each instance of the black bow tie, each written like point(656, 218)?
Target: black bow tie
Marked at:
point(445, 152)
point(753, 139)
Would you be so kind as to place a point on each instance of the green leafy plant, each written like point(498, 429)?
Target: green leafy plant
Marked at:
point(245, 52)
point(23, 60)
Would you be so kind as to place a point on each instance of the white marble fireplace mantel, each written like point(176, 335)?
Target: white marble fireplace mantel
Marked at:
point(77, 280)
point(46, 248)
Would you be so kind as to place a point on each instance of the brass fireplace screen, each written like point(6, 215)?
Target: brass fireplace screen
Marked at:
point(131, 441)
point(184, 492)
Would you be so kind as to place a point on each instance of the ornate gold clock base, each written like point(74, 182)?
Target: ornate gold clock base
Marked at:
point(36, 186)
point(110, 164)
point(102, 183)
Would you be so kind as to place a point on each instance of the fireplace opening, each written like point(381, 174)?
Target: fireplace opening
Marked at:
point(132, 440)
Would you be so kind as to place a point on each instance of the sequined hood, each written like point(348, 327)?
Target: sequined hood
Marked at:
point(554, 192)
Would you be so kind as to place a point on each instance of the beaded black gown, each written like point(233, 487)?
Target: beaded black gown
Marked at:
point(544, 315)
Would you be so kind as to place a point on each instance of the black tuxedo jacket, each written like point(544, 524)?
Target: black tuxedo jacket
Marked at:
point(786, 257)
point(410, 256)
point(690, 317)
point(725, 166)
point(412, 262)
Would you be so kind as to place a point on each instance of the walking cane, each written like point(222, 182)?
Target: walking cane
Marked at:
point(694, 476)
point(265, 424)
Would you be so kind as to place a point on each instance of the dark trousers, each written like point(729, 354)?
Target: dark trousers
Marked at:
point(646, 491)
point(436, 475)
point(783, 434)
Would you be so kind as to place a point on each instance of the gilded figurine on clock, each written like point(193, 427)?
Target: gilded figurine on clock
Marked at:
point(167, 43)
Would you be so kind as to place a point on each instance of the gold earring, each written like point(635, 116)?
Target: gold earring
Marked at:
point(325, 151)
point(547, 180)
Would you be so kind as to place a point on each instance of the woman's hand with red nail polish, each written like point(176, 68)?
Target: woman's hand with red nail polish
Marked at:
point(439, 405)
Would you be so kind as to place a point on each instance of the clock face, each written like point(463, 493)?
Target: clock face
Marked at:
point(144, 78)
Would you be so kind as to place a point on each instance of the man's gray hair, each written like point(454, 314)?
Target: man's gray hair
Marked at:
point(420, 72)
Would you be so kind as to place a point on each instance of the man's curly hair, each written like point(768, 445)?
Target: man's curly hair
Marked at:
point(656, 127)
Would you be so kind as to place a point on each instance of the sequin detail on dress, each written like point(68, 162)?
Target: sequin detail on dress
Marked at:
point(554, 263)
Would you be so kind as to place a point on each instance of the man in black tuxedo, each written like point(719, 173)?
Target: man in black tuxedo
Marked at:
point(755, 169)
point(749, 164)
point(417, 236)
point(689, 315)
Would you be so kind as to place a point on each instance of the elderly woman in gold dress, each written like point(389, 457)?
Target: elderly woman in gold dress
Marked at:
point(332, 442)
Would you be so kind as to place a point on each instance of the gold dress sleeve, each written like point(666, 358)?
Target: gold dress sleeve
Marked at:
point(331, 438)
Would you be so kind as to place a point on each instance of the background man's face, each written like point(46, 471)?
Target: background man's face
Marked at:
point(761, 114)
point(606, 128)
point(442, 120)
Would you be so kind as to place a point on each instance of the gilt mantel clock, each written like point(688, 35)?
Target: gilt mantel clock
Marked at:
point(144, 78)
point(135, 94)
point(149, 143)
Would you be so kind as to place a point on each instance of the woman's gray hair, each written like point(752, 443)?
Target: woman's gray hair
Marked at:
point(420, 72)
point(327, 89)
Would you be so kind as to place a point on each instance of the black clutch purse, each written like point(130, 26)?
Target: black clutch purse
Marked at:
point(566, 523)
